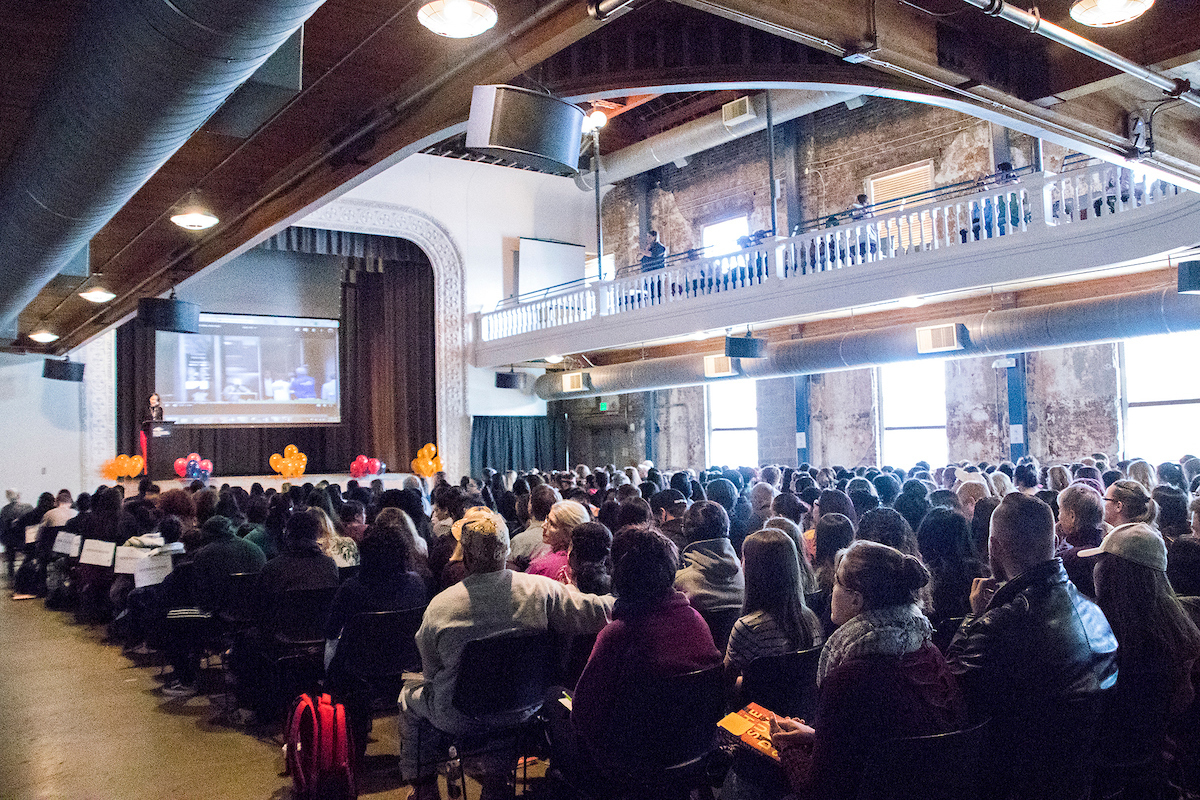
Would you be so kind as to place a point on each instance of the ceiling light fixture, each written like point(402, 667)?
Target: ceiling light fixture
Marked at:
point(44, 336)
point(97, 294)
point(193, 215)
point(911, 302)
point(553, 359)
point(594, 121)
point(1107, 13)
point(457, 19)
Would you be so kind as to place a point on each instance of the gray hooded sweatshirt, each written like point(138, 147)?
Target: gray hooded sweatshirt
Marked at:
point(710, 574)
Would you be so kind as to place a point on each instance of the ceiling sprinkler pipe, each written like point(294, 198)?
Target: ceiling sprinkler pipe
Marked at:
point(1032, 22)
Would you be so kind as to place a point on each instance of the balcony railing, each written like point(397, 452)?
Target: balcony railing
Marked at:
point(1037, 202)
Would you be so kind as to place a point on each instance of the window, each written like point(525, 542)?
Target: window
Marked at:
point(732, 424)
point(1163, 397)
point(720, 238)
point(896, 184)
point(912, 411)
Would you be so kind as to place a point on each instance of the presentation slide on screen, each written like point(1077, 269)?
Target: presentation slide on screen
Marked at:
point(249, 370)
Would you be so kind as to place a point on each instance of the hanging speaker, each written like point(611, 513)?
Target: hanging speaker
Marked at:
point(511, 380)
point(1189, 277)
point(169, 314)
point(57, 370)
point(745, 347)
point(527, 127)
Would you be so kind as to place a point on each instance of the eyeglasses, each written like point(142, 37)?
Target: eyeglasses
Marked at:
point(1111, 500)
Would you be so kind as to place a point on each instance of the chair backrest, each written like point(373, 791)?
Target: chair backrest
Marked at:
point(671, 720)
point(720, 624)
point(506, 673)
point(348, 570)
point(301, 615)
point(945, 766)
point(785, 684)
point(238, 603)
point(380, 645)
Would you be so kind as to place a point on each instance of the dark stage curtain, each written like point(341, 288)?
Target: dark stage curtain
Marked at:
point(395, 386)
point(387, 365)
point(518, 443)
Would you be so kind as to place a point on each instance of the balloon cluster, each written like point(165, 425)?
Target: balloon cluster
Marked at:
point(427, 461)
point(122, 466)
point(366, 466)
point(194, 468)
point(291, 464)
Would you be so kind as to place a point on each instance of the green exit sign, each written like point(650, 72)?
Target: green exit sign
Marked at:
point(603, 406)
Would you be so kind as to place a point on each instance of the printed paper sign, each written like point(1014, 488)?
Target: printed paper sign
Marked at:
point(152, 570)
point(67, 543)
point(128, 557)
point(97, 552)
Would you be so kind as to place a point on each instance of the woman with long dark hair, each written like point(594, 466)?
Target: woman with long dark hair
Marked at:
point(774, 618)
point(880, 676)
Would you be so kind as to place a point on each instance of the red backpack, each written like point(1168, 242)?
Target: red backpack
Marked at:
point(319, 751)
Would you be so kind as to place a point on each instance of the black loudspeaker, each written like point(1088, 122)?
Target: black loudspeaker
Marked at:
point(745, 347)
point(169, 314)
point(57, 370)
point(510, 380)
point(527, 127)
point(1189, 277)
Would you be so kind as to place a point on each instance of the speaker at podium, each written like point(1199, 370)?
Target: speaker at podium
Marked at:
point(160, 463)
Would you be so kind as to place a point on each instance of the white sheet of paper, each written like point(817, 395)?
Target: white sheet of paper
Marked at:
point(152, 570)
point(127, 559)
point(97, 552)
point(67, 543)
point(31, 533)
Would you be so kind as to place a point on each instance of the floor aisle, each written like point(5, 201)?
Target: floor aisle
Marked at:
point(83, 722)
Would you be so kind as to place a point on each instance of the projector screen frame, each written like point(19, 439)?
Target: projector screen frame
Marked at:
point(172, 404)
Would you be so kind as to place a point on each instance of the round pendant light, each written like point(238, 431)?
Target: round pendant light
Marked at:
point(1107, 13)
point(97, 294)
point(44, 336)
point(457, 19)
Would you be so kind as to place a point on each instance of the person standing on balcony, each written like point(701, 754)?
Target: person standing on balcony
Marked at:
point(653, 254)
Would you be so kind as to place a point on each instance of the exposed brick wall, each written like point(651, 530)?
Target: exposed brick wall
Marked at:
point(777, 421)
point(977, 410)
point(842, 147)
point(843, 408)
point(1073, 401)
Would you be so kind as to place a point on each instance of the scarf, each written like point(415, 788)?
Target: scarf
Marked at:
point(892, 631)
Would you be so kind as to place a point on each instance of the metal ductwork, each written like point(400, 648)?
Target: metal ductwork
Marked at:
point(995, 332)
point(707, 132)
point(136, 80)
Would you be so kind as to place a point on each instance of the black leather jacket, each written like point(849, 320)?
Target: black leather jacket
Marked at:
point(1037, 661)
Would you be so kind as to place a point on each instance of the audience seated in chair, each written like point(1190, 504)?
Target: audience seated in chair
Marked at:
point(490, 600)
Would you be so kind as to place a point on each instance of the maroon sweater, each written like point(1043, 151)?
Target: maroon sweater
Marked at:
point(668, 639)
point(868, 700)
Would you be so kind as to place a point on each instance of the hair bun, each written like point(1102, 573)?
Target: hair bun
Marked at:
point(913, 573)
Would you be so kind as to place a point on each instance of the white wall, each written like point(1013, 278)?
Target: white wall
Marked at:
point(488, 401)
point(487, 209)
point(55, 434)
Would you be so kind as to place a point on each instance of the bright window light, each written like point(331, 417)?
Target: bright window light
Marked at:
point(1163, 395)
point(732, 424)
point(721, 238)
point(913, 412)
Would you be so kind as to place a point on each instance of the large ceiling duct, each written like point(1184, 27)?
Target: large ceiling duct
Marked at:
point(705, 133)
point(137, 79)
point(1006, 331)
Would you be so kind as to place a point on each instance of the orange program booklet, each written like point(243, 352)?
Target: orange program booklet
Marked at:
point(752, 727)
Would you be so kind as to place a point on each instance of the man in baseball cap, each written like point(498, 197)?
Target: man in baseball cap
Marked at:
point(668, 507)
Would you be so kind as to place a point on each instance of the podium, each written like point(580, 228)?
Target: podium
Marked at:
point(160, 461)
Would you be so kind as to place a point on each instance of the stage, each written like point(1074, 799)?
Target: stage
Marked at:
point(391, 480)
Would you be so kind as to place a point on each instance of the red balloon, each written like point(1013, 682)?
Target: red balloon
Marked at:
point(193, 457)
point(361, 460)
point(206, 465)
point(373, 466)
point(181, 467)
point(356, 470)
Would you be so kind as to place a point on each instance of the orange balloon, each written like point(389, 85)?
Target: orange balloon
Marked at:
point(136, 464)
point(290, 450)
point(276, 461)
